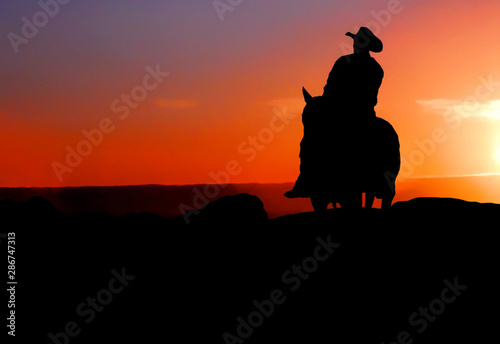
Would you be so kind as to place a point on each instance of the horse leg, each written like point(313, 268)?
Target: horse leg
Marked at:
point(387, 201)
point(370, 197)
point(358, 200)
point(319, 204)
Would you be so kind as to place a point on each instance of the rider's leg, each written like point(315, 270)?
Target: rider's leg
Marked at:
point(300, 189)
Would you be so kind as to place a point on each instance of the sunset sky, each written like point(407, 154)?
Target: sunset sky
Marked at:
point(214, 90)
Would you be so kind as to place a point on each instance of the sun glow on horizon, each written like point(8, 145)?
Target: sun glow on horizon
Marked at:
point(464, 109)
point(497, 155)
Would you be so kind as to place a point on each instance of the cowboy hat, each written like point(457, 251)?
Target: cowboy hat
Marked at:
point(366, 40)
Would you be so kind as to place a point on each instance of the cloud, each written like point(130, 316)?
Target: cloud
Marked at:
point(175, 103)
point(489, 110)
point(453, 176)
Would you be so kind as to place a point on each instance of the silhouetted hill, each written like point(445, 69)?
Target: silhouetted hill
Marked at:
point(167, 201)
point(170, 201)
point(238, 210)
point(424, 270)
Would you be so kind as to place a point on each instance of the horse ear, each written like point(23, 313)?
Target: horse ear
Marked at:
point(307, 96)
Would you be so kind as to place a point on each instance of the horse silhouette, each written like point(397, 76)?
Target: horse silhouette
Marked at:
point(343, 157)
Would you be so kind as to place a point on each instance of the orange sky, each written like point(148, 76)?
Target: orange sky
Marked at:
point(228, 81)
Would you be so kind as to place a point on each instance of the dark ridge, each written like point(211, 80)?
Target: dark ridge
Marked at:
point(364, 276)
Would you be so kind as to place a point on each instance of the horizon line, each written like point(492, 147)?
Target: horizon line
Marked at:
point(402, 179)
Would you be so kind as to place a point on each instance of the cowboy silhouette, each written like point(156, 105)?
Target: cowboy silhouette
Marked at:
point(347, 107)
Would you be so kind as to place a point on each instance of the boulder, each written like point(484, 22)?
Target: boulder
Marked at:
point(238, 210)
